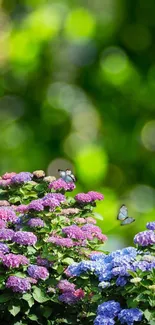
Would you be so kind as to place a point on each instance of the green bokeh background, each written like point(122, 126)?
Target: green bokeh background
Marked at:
point(77, 89)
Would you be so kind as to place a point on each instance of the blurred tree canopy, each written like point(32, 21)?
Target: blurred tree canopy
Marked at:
point(77, 89)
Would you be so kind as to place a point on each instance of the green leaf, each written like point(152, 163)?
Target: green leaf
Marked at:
point(68, 260)
point(31, 250)
point(147, 314)
point(14, 310)
point(40, 187)
point(39, 295)
point(14, 199)
point(27, 296)
point(33, 317)
point(47, 312)
point(5, 297)
point(19, 274)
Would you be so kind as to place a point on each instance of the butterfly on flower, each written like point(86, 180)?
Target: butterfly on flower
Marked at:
point(123, 216)
point(67, 175)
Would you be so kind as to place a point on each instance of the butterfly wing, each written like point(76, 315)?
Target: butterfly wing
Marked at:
point(127, 221)
point(68, 179)
point(123, 213)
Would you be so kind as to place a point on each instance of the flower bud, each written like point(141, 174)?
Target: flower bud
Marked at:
point(4, 203)
point(152, 287)
point(148, 258)
point(39, 173)
point(49, 179)
point(135, 280)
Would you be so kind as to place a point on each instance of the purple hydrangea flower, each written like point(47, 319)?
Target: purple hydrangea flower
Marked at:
point(96, 196)
point(74, 232)
point(59, 241)
point(2, 224)
point(142, 265)
point(21, 208)
point(145, 238)
point(109, 309)
point(36, 222)
point(129, 316)
point(4, 248)
point(83, 198)
point(13, 260)
point(43, 262)
point(100, 320)
point(18, 284)
point(7, 214)
point(71, 297)
point(151, 225)
point(38, 272)
point(94, 231)
point(51, 202)
point(36, 205)
point(22, 177)
point(6, 234)
point(24, 238)
point(65, 285)
point(57, 196)
point(60, 184)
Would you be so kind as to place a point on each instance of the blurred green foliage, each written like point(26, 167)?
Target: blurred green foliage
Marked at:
point(77, 89)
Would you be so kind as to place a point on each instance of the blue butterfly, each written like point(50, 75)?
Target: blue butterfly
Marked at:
point(67, 175)
point(123, 216)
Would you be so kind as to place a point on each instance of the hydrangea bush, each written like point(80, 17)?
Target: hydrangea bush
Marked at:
point(42, 231)
point(52, 271)
point(126, 281)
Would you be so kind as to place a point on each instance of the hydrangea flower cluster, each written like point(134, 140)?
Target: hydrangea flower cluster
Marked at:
point(38, 272)
point(7, 214)
point(88, 197)
point(14, 261)
point(69, 294)
point(24, 238)
point(106, 267)
point(60, 184)
point(22, 177)
point(145, 238)
point(35, 222)
point(110, 311)
point(18, 284)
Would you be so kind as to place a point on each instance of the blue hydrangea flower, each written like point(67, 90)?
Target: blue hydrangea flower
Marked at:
point(150, 225)
point(109, 309)
point(100, 320)
point(129, 316)
point(121, 281)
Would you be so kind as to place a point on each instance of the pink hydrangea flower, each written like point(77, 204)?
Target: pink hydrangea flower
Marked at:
point(83, 198)
point(7, 214)
point(60, 184)
point(14, 261)
point(95, 196)
point(59, 241)
point(7, 176)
